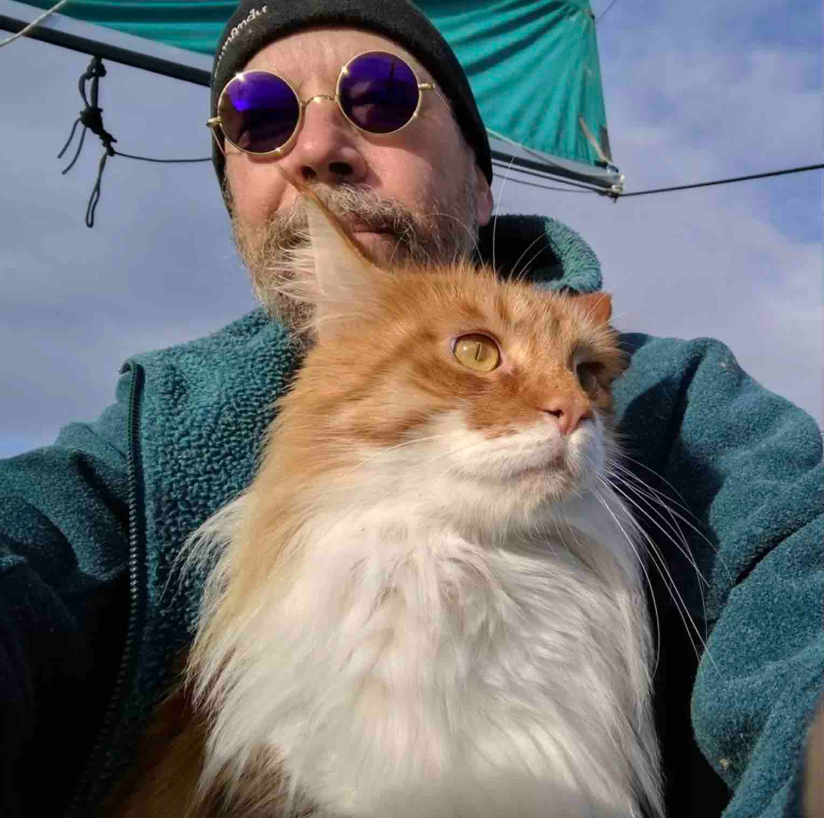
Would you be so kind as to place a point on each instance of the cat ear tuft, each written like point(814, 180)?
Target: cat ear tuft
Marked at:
point(597, 306)
point(345, 275)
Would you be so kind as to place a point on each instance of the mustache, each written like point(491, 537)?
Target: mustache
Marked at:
point(357, 208)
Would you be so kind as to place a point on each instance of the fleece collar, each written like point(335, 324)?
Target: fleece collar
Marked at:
point(557, 258)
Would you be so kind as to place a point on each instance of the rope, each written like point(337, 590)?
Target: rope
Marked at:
point(33, 23)
point(91, 118)
point(601, 16)
point(149, 158)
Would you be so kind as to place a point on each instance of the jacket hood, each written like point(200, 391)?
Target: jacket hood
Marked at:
point(555, 256)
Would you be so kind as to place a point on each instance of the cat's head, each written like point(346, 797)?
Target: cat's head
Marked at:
point(445, 386)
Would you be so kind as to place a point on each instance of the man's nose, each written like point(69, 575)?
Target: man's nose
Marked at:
point(326, 147)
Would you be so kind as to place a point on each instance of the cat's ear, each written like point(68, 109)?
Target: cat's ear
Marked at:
point(596, 306)
point(346, 277)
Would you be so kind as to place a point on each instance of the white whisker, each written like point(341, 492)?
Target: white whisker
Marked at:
point(515, 275)
point(667, 502)
point(674, 533)
point(642, 563)
point(672, 587)
point(497, 206)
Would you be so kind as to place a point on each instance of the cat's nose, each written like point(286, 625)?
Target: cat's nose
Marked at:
point(569, 412)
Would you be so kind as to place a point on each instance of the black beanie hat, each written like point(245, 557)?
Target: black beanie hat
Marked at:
point(255, 24)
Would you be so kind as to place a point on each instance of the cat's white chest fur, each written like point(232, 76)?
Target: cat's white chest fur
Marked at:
point(432, 603)
point(409, 671)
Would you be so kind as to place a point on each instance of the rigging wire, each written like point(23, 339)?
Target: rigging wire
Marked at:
point(603, 14)
point(551, 187)
point(543, 158)
point(542, 176)
point(529, 172)
point(149, 158)
point(616, 196)
point(581, 188)
point(719, 181)
point(34, 23)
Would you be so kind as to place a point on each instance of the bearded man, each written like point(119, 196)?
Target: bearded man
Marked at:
point(90, 527)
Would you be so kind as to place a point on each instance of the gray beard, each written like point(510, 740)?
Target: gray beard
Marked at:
point(443, 235)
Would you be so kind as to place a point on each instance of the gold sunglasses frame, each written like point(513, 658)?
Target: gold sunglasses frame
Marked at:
point(214, 123)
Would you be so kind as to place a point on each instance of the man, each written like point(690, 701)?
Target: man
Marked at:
point(91, 618)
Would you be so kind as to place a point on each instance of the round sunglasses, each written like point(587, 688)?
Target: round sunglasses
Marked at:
point(259, 112)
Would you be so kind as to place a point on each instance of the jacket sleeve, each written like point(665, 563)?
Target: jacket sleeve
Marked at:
point(63, 598)
point(744, 467)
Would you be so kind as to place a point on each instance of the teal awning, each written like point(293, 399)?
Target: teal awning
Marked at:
point(533, 65)
point(534, 70)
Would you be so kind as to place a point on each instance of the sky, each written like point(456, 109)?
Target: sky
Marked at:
point(693, 92)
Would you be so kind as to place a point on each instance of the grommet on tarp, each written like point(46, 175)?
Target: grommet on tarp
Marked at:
point(91, 118)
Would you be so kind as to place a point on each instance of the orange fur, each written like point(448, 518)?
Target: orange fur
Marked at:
point(376, 380)
point(164, 781)
point(400, 372)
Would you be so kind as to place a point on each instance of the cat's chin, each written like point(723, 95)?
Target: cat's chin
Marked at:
point(549, 485)
point(529, 468)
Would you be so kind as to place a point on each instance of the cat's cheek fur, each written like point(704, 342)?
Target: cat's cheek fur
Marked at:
point(520, 470)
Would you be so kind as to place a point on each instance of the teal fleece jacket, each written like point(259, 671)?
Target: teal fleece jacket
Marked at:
point(91, 619)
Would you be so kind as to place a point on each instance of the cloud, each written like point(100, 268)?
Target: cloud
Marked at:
point(742, 262)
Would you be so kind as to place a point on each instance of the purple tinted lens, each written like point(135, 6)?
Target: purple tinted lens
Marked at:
point(258, 112)
point(379, 92)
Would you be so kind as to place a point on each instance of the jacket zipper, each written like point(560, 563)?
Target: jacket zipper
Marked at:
point(85, 789)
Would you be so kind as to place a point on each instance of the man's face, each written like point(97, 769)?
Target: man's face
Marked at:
point(420, 190)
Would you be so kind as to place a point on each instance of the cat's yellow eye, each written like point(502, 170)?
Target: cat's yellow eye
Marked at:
point(587, 374)
point(478, 352)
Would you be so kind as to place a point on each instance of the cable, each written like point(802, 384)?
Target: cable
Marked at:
point(716, 182)
point(91, 118)
point(149, 159)
point(33, 23)
point(603, 14)
point(542, 176)
point(552, 187)
point(617, 196)
point(536, 155)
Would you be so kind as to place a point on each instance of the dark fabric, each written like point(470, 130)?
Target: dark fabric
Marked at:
point(63, 608)
point(255, 24)
point(742, 469)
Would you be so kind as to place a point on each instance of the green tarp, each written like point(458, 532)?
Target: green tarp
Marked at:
point(533, 64)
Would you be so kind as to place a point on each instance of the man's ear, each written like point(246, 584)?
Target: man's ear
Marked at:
point(483, 197)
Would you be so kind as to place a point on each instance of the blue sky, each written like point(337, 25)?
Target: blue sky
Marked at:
point(693, 92)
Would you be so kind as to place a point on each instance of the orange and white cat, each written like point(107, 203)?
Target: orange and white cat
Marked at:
point(429, 602)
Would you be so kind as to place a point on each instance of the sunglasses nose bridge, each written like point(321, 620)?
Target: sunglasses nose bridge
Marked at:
point(318, 97)
point(327, 98)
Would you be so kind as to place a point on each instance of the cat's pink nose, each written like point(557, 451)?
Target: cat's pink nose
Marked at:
point(569, 412)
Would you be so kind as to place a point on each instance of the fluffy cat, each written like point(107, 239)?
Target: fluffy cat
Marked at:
point(429, 602)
